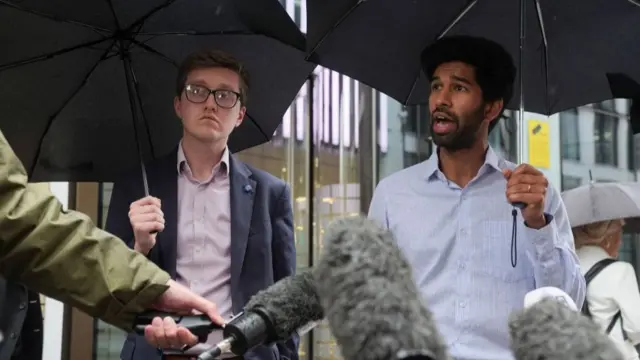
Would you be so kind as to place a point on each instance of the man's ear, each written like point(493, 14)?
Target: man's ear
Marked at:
point(241, 113)
point(493, 109)
point(176, 107)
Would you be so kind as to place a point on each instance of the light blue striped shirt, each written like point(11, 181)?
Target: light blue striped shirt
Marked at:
point(459, 244)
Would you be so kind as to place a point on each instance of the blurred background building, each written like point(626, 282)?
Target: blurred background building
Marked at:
point(338, 139)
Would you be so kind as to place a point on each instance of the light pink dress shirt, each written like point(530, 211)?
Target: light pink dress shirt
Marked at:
point(204, 237)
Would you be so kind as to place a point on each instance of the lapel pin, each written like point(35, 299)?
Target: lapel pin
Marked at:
point(248, 189)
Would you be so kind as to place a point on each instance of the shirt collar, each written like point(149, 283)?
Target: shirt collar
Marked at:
point(491, 160)
point(224, 161)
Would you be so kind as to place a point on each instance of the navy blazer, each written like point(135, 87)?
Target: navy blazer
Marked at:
point(262, 243)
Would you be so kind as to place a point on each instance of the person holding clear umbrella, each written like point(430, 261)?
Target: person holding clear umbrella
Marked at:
point(597, 214)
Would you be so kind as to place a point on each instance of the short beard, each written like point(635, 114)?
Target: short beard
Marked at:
point(465, 136)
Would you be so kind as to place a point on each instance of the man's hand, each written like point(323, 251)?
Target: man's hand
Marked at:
point(164, 333)
point(146, 219)
point(528, 185)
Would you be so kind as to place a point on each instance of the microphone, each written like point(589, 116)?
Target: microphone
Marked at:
point(373, 307)
point(199, 325)
point(551, 330)
point(274, 314)
point(537, 295)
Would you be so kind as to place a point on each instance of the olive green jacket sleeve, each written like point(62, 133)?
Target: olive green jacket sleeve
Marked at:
point(63, 255)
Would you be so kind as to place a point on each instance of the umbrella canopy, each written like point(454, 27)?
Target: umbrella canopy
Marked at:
point(567, 52)
point(622, 86)
point(596, 202)
point(71, 71)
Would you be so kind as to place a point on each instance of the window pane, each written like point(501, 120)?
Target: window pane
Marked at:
point(570, 182)
point(407, 134)
point(570, 135)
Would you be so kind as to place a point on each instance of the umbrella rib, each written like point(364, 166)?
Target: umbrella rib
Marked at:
point(136, 85)
point(113, 13)
point(151, 12)
point(267, 137)
point(152, 50)
point(50, 55)
point(545, 54)
point(197, 33)
point(64, 104)
point(48, 16)
point(334, 26)
point(444, 32)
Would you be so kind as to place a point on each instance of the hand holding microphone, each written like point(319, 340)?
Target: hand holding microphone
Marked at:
point(177, 330)
point(373, 306)
point(164, 328)
point(275, 314)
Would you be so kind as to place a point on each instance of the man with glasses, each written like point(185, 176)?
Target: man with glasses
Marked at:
point(215, 224)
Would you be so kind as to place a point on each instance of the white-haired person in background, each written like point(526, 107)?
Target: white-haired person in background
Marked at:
point(613, 298)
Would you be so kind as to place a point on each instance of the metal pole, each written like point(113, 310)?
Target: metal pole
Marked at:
point(375, 128)
point(128, 72)
point(521, 128)
point(310, 191)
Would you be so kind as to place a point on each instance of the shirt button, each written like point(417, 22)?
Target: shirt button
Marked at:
point(462, 266)
point(463, 304)
point(463, 231)
point(13, 335)
point(22, 306)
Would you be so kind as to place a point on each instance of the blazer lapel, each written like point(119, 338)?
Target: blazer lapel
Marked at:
point(242, 192)
point(166, 189)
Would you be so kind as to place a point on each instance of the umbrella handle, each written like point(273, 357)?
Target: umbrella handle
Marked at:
point(145, 183)
point(519, 205)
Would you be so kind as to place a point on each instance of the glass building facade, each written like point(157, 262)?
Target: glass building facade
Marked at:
point(597, 145)
point(339, 138)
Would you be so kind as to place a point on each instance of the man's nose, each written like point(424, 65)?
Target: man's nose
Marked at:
point(443, 98)
point(211, 102)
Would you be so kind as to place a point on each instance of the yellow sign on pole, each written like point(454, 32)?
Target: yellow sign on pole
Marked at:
point(539, 147)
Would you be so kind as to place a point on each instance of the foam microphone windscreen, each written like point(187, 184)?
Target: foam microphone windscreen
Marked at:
point(551, 330)
point(290, 304)
point(371, 302)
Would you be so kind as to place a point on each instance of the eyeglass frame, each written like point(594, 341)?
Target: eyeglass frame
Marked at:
point(212, 92)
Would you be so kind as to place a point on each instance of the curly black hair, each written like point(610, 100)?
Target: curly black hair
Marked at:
point(494, 68)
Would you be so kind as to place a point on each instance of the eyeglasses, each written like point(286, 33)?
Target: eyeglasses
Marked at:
point(224, 98)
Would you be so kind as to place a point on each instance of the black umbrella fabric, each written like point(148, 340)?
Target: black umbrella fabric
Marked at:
point(568, 46)
point(71, 71)
point(622, 86)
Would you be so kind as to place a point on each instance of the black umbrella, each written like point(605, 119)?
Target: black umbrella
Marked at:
point(71, 71)
point(622, 86)
point(568, 46)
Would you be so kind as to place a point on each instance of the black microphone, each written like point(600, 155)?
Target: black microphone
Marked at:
point(366, 286)
point(199, 325)
point(287, 307)
point(550, 330)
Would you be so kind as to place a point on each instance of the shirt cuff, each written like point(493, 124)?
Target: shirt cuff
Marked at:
point(123, 315)
point(543, 239)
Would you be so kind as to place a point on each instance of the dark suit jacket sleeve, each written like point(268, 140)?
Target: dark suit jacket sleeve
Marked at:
point(118, 214)
point(284, 256)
